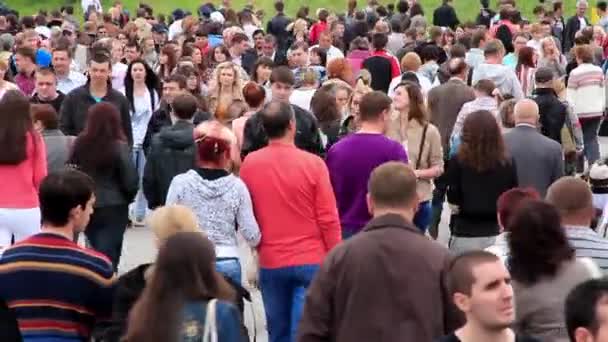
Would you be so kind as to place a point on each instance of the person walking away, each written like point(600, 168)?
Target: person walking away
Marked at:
point(352, 159)
point(552, 110)
point(58, 146)
point(172, 151)
point(574, 201)
point(114, 174)
point(492, 69)
point(480, 287)
point(219, 199)
point(334, 313)
point(22, 168)
point(141, 90)
point(476, 178)
point(296, 238)
point(586, 94)
point(82, 279)
point(539, 160)
point(586, 311)
point(421, 139)
point(186, 298)
point(542, 277)
point(98, 89)
point(445, 15)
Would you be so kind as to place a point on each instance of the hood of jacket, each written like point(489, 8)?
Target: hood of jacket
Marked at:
point(210, 189)
point(177, 137)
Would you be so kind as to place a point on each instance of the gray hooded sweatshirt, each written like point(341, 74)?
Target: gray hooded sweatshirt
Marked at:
point(503, 77)
point(222, 206)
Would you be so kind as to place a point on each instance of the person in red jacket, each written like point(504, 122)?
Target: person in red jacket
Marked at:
point(319, 26)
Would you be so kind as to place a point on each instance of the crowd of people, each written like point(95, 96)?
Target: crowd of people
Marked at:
point(328, 145)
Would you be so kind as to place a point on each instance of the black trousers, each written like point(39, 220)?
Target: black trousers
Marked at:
point(106, 231)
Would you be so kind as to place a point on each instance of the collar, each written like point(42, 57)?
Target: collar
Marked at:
point(543, 91)
point(391, 221)
point(281, 143)
point(576, 227)
point(456, 79)
point(526, 125)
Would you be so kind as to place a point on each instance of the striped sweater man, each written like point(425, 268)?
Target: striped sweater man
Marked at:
point(57, 289)
point(586, 91)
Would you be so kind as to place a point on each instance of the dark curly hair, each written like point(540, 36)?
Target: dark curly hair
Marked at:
point(323, 104)
point(537, 242)
point(482, 147)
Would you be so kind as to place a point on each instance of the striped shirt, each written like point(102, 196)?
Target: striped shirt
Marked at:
point(586, 91)
point(588, 244)
point(56, 288)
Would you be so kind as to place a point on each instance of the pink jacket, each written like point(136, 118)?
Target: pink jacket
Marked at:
point(20, 183)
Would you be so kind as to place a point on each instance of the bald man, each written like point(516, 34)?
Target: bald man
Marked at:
point(539, 160)
point(574, 201)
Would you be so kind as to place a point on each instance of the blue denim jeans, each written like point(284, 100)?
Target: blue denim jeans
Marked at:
point(230, 267)
point(138, 208)
point(423, 215)
point(283, 292)
point(590, 129)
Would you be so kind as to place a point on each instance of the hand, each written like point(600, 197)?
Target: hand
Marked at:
point(253, 270)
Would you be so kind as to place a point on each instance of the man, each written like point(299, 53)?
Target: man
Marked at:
point(475, 55)
point(242, 54)
point(480, 286)
point(326, 42)
point(176, 28)
point(576, 23)
point(587, 312)
point(67, 79)
point(574, 201)
point(445, 15)
point(298, 60)
point(602, 12)
point(82, 279)
point(172, 151)
point(159, 34)
point(492, 69)
point(277, 26)
point(307, 133)
point(445, 102)
point(551, 109)
point(46, 89)
point(25, 59)
point(381, 64)
point(258, 37)
point(351, 160)
point(31, 39)
point(520, 40)
point(538, 159)
point(173, 86)
point(337, 308)
point(77, 103)
point(268, 48)
point(94, 4)
point(132, 52)
point(435, 40)
point(296, 237)
point(586, 94)
point(119, 69)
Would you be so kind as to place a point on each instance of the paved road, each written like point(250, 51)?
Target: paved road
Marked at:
point(139, 248)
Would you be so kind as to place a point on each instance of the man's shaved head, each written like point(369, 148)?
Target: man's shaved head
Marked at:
point(570, 196)
point(526, 111)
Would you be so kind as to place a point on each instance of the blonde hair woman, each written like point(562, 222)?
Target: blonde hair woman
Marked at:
point(220, 200)
point(225, 87)
point(349, 124)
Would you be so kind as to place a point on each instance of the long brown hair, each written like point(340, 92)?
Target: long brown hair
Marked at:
point(15, 123)
point(184, 271)
point(417, 110)
point(482, 147)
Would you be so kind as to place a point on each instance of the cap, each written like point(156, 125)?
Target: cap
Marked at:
point(206, 10)
point(217, 17)
point(178, 14)
point(43, 31)
point(544, 75)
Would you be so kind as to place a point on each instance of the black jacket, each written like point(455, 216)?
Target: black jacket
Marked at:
point(128, 289)
point(9, 329)
point(171, 153)
point(552, 113)
point(113, 186)
point(76, 104)
point(277, 26)
point(381, 70)
point(248, 60)
point(443, 56)
point(56, 103)
point(572, 26)
point(162, 118)
point(307, 135)
point(445, 16)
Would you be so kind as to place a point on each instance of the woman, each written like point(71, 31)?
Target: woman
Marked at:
point(220, 200)
point(141, 89)
point(58, 145)
point(325, 108)
point(525, 69)
point(358, 52)
point(225, 88)
point(167, 62)
point(552, 58)
point(22, 168)
point(447, 40)
point(193, 84)
point(411, 127)
point(417, 21)
point(195, 54)
point(261, 71)
point(5, 83)
point(477, 175)
point(349, 123)
point(340, 72)
point(111, 167)
point(183, 292)
point(544, 270)
point(254, 95)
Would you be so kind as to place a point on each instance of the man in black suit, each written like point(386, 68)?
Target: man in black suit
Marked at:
point(242, 53)
point(269, 49)
point(575, 24)
point(277, 26)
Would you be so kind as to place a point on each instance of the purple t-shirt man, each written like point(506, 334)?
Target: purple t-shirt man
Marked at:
point(350, 163)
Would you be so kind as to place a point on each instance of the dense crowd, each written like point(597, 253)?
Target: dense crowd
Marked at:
point(328, 145)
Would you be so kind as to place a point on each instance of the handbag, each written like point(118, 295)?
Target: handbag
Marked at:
point(421, 148)
point(210, 332)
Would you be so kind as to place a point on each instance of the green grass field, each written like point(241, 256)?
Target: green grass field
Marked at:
point(466, 9)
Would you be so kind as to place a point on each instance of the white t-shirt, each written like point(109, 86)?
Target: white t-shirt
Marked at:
point(302, 98)
point(175, 29)
point(86, 3)
point(332, 53)
point(119, 71)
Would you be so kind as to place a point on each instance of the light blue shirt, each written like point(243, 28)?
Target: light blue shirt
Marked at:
point(510, 60)
point(71, 82)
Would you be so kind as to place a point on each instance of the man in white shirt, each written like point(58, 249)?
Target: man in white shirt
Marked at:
point(87, 3)
point(325, 42)
point(176, 29)
point(67, 79)
point(119, 69)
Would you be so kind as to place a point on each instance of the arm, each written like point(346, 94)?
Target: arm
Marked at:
point(395, 69)
point(40, 167)
point(326, 209)
point(253, 137)
point(66, 117)
point(102, 299)
point(127, 173)
point(315, 146)
point(435, 156)
point(248, 226)
point(174, 192)
point(558, 170)
point(126, 120)
point(454, 186)
point(575, 126)
point(149, 181)
point(516, 89)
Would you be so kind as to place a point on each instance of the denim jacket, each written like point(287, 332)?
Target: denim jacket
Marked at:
point(228, 322)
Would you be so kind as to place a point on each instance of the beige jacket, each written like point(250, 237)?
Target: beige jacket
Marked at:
point(409, 133)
